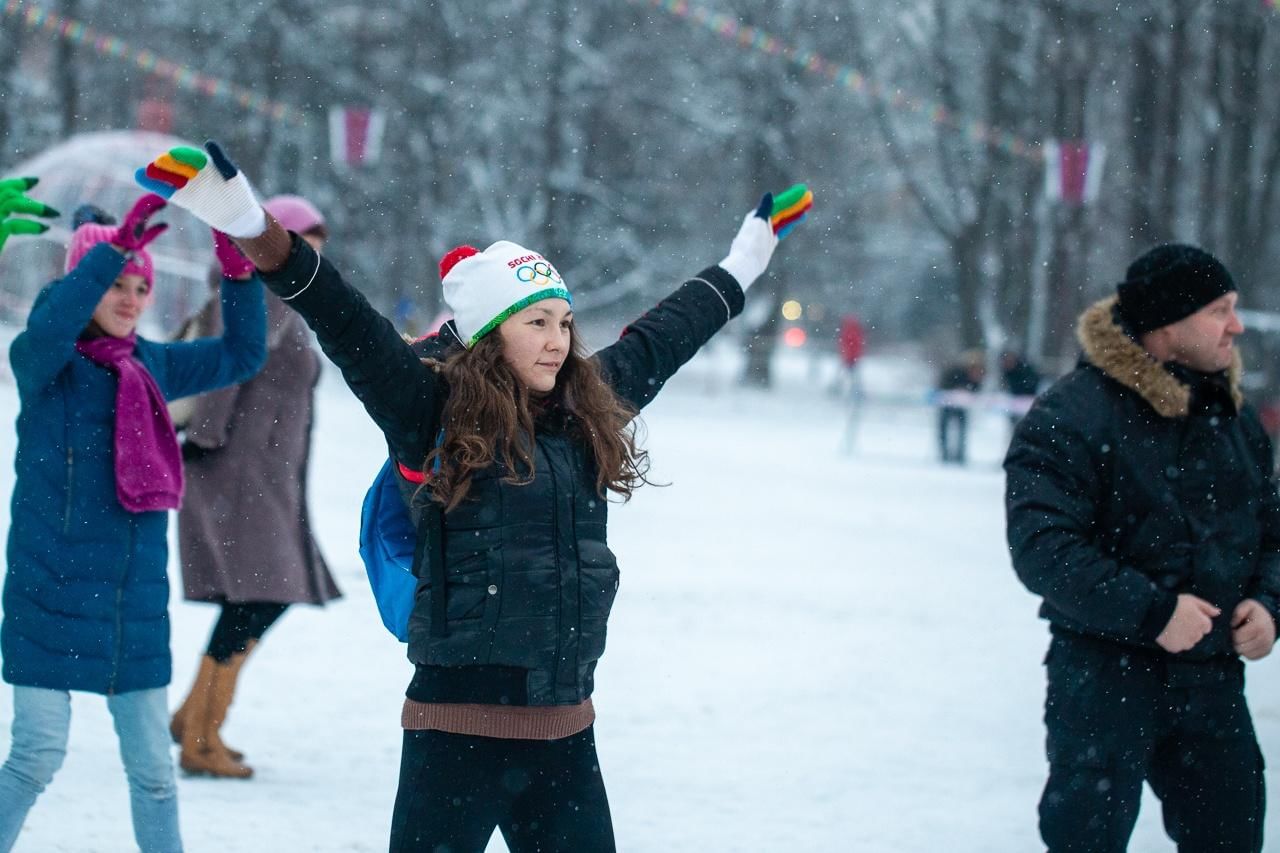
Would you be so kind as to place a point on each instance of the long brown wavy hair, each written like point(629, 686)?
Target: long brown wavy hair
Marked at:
point(490, 417)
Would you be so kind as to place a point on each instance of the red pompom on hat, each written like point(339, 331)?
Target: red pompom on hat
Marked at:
point(453, 256)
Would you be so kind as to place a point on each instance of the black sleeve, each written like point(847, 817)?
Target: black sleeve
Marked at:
point(655, 346)
point(400, 393)
point(1053, 489)
point(1265, 587)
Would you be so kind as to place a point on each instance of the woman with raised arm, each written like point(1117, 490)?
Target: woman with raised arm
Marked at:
point(244, 532)
point(506, 445)
point(86, 593)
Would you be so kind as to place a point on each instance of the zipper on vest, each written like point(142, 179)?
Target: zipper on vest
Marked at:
point(119, 621)
point(71, 468)
point(555, 537)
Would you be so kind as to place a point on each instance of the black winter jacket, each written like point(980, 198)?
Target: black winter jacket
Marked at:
point(529, 576)
point(1130, 482)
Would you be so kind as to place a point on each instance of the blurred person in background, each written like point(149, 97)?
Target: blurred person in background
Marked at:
point(851, 343)
point(1021, 382)
point(90, 213)
point(957, 386)
point(244, 532)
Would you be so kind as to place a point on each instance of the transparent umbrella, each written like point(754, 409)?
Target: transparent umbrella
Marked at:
point(97, 168)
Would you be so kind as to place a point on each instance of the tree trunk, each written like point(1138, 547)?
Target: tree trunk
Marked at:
point(64, 74)
point(1170, 135)
point(555, 121)
point(966, 259)
point(1211, 176)
point(1143, 135)
point(1245, 41)
point(10, 50)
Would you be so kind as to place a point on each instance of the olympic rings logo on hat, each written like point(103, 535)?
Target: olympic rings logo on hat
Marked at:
point(540, 274)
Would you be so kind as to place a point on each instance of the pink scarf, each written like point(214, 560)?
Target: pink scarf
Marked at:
point(148, 461)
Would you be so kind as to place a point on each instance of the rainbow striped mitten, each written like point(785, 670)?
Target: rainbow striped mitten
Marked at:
point(211, 187)
point(13, 200)
point(790, 208)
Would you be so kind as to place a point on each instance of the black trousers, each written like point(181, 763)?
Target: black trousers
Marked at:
point(545, 796)
point(953, 424)
point(240, 623)
point(1117, 717)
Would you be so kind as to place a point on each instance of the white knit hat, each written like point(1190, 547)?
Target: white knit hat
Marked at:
point(485, 288)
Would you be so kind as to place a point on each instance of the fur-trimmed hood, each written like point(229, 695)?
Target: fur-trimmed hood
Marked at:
point(1109, 348)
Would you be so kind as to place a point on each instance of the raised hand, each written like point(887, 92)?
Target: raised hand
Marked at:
point(209, 185)
point(772, 220)
point(233, 262)
point(14, 202)
point(136, 231)
point(790, 209)
point(752, 248)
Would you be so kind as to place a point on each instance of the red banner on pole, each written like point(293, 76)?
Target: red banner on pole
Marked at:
point(1073, 171)
point(355, 135)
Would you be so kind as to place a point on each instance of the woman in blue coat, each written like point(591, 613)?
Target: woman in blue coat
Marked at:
point(98, 467)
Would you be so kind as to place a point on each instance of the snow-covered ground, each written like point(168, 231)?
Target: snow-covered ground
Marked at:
point(811, 650)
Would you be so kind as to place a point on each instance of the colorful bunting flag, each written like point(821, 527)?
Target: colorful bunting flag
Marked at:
point(185, 78)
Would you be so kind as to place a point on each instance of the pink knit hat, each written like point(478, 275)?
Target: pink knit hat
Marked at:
point(91, 234)
point(296, 214)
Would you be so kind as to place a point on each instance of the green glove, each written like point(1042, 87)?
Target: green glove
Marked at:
point(13, 200)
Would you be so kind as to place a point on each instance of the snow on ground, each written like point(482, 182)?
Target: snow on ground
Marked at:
point(811, 650)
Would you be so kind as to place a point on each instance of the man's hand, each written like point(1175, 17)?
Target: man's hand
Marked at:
point(1191, 620)
point(1253, 631)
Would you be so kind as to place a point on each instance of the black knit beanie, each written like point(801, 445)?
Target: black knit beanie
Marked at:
point(1168, 283)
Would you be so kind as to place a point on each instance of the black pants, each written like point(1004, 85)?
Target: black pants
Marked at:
point(1117, 717)
point(240, 623)
point(953, 423)
point(545, 796)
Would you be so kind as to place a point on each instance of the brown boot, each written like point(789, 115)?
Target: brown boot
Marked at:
point(201, 754)
point(199, 697)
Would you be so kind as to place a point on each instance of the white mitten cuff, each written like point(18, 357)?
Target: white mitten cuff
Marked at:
point(751, 250)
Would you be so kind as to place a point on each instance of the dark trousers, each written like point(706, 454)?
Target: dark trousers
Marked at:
point(545, 796)
point(240, 623)
point(1117, 717)
point(953, 423)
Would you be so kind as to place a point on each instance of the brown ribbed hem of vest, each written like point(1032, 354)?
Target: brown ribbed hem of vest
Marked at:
point(515, 722)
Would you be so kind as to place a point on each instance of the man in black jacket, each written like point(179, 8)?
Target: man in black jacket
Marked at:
point(1142, 508)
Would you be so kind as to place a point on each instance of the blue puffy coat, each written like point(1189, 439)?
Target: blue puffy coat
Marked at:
point(86, 593)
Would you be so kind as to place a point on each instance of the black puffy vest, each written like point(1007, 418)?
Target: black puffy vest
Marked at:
point(529, 582)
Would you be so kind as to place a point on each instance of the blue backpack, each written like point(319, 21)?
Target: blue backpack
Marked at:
point(387, 542)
